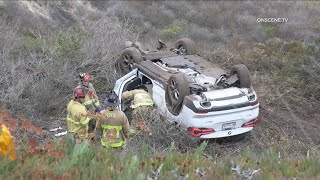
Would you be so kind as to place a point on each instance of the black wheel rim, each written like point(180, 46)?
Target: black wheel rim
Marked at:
point(183, 50)
point(172, 97)
point(127, 62)
point(174, 91)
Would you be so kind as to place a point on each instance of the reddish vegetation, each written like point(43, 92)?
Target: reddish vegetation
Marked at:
point(10, 122)
point(28, 126)
point(5, 118)
point(34, 147)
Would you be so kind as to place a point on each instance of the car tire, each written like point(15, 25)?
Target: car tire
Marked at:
point(128, 58)
point(243, 74)
point(186, 45)
point(176, 90)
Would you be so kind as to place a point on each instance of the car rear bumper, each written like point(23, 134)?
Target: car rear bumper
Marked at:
point(216, 120)
point(226, 133)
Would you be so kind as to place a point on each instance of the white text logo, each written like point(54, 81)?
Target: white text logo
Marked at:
point(273, 20)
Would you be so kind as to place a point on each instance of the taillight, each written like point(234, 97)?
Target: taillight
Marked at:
point(197, 132)
point(252, 123)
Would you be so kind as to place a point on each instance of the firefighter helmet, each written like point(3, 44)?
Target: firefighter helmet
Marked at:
point(79, 93)
point(112, 99)
point(84, 76)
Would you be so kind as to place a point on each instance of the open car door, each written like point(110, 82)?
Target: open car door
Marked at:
point(127, 82)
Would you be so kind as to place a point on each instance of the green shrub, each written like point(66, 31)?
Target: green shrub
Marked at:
point(90, 162)
point(287, 170)
point(172, 30)
point(68, 43)
point(32, 42)
point(294, 49)
point(3, 14)
point(170, 162)
point(301, 73)
point(131, 169)
point(270, 29)
point(158, 15)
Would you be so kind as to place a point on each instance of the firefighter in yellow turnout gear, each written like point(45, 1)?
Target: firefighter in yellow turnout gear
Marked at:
point(113, 127)
point(141, 105)
point(77, 118)
point(140, 97)
point(91, 101)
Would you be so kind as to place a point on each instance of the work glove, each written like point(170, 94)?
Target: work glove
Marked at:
point(98, 109)
point(91, 126)
point(133, 132)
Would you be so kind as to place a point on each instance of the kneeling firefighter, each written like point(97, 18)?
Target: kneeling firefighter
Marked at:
point(141, 105)
point(113, 126)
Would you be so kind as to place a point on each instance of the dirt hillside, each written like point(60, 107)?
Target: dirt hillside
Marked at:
point(45, 44)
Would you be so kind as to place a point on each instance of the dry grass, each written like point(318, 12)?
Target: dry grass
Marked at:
point(40, 61)
point(232, 20)
point(39, 72)
point(162, 134)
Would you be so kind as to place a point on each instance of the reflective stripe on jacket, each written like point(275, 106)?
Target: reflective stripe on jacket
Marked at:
point(114, 126)
point(111, 136)
point(77, 121)
point(89, 102)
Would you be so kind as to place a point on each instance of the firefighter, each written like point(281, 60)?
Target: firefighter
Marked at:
point(91, 99)
point(141, 105)
point(113, 126)
point(77, 118)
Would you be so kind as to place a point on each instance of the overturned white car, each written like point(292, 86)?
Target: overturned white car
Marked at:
point(201, 98)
